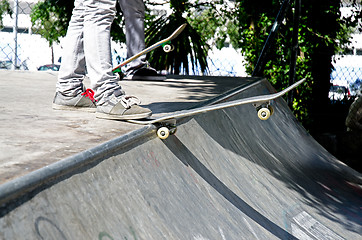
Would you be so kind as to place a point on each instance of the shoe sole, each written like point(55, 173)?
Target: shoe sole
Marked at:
point(122, 117)
point(72, 108)
point(145, 78)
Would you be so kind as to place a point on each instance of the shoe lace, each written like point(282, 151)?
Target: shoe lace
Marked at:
point(128, 101)
point(89, 93)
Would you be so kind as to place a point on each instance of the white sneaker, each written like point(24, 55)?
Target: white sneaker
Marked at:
point(122, 108)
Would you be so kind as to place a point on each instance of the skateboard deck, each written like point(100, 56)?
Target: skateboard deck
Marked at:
point(166, 43)
point(261, 103)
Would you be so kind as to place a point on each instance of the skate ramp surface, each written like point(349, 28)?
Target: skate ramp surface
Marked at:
point(225, 174)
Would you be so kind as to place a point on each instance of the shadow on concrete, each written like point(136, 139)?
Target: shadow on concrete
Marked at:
point(190, 160)
point(287, 152)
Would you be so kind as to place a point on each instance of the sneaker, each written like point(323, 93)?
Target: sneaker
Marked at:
point(82, 102)
point(145, 73)
point(122, 108)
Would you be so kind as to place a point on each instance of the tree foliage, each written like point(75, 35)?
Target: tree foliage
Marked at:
point(50, 19)
point(190, 47)
point(322, 33)
point(4, 9)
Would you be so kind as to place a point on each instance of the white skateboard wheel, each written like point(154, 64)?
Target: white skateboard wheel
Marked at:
point(167, 48)
point(263, 113)
point(163, 132)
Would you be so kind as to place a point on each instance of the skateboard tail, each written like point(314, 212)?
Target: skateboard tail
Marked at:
point(151, 48)
point(177, 31)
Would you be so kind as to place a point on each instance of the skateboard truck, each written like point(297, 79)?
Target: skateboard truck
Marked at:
point(264, 110)
point(166, 128)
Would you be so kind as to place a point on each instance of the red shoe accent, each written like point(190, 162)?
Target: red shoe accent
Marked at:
point(90, 94)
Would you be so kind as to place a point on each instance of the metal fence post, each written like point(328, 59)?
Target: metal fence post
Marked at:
point(15, 31)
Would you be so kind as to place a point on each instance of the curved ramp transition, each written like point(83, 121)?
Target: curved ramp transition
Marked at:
point(223, 175)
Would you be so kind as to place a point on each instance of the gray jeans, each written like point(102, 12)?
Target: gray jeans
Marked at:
point(87, 46)
point(134, 15)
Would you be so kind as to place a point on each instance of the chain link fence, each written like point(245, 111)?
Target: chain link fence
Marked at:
point(346, 76)
point(18, 45)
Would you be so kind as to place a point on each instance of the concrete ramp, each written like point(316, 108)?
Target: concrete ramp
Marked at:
point(223, 175)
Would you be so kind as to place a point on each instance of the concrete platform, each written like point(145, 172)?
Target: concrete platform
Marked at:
point(225, 174)
point(33, 135)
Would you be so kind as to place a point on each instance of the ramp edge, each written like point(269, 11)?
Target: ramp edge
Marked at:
point(19, 187)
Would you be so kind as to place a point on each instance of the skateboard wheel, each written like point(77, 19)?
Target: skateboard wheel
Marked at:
point(263, 113)
point(163, 132)
point(167, 48)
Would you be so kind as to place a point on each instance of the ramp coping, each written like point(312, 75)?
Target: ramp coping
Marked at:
point(25, 184)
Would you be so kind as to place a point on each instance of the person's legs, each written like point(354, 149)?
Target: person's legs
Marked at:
point(88, 44)
point(111, 100)
point(98, 18)
point(70, 92)
point(72, 69)
point(134, 14)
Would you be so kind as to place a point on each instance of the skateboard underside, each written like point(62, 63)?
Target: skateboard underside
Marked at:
point(167, 124)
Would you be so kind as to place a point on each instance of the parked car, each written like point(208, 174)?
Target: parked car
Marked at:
point(7, 64)
point(49, 67)
point(356, 87)
point(347, 69)
point(339, 93)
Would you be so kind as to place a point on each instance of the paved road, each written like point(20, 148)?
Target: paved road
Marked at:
point(224, 175)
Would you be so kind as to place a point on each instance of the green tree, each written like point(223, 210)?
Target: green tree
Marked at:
point(4, 9)
point(190, 47)
point(50, 19)
point(322, 33)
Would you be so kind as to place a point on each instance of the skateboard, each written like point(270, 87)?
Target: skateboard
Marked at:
point(262, 104)
point(165, 43)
